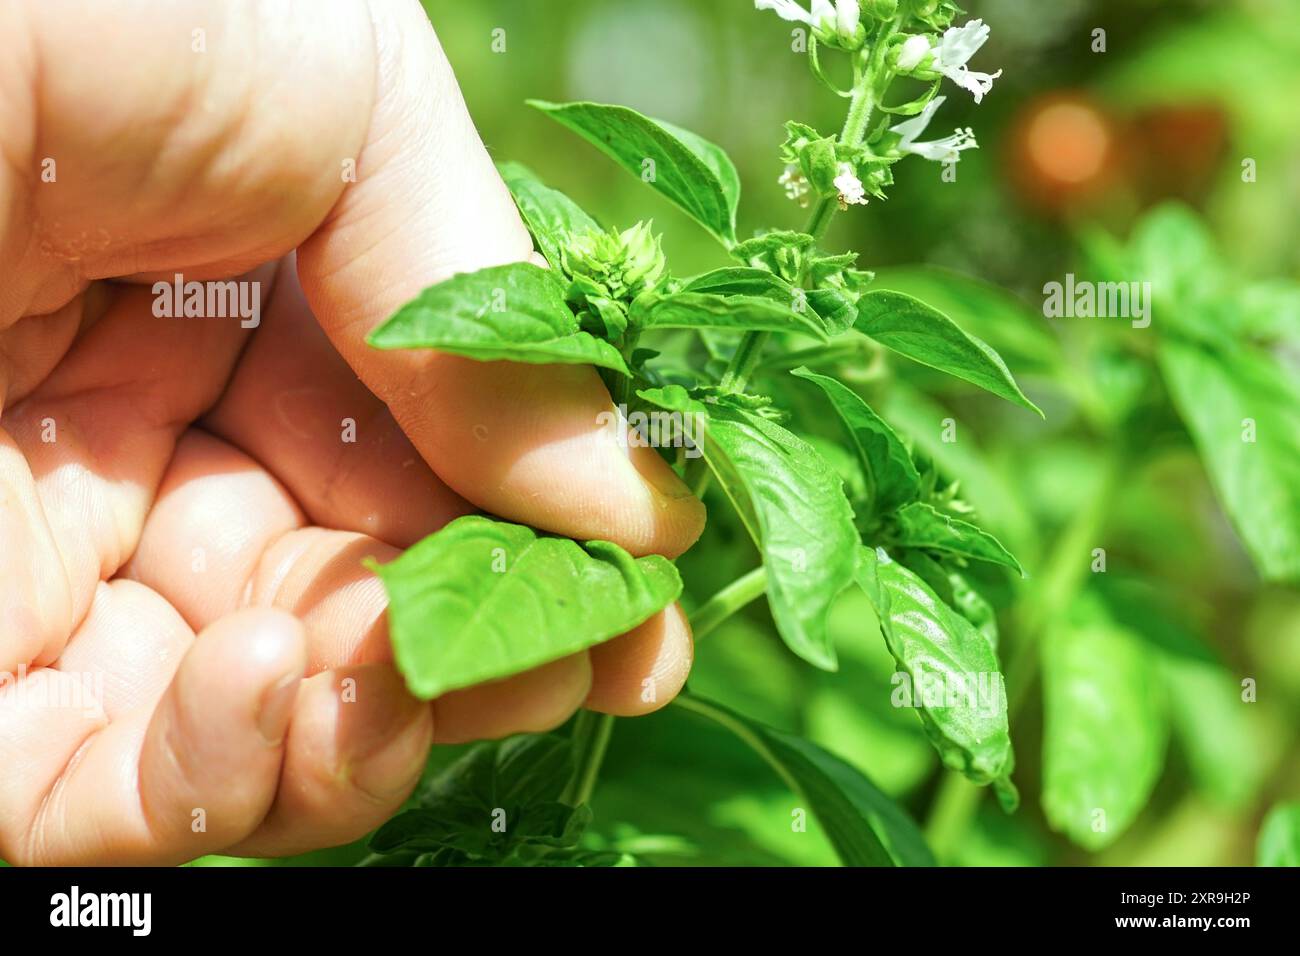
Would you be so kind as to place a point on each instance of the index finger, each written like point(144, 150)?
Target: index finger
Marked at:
point(530, 443)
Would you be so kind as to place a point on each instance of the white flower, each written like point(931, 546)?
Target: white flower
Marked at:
point(850, 187)
point(946, 150)
point(958, 45)
point(822, 11)
point(796, 185)
point(847, 14)
point(912, 52)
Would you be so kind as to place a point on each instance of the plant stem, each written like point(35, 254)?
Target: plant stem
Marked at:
point(591, 731)
point(744, 361)
point(861, 104)
point(728, 601)
point(590, 738)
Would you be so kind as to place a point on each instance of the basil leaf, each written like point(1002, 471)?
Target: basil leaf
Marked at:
point(1279, 837)
point(891, 477)
point(793, 505)
point(864, 825)
point(699, 310)
point(836, 311)
point(1104, 725)
point(743, 280)
point(491, 802)
point(974, 607)
point(550, 216)
point(515, 312)
point(1001, 503)
point(948, 670)
point(1258, 481)
point(922, 526)
point(693, 173)
point(483, 599)
point(926, 335)
point(987, 311)
point(835, 308)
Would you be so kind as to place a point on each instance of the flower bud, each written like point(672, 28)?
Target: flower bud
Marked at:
point(912, 52)
point(614, 265)
point(847, 15)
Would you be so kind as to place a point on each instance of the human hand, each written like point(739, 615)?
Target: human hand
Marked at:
point(166, 475)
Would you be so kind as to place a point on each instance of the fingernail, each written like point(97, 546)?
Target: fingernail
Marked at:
point(277, 708)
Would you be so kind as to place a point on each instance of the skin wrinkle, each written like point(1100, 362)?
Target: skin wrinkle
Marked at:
point(36, 832)
point(35, 512)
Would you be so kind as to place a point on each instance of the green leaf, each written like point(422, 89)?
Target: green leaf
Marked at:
point(985, 483)
point(923, 334)
point(693, 173)
point(483, 599)
point(497, 798)
point(793, 505)
point(1217, 393)
point(515, 312)
point(701, 310)
point(1104, 725)
point(550, 216)
point(891, 477)
point(864, 825)
point(1279, 837)
point(974, 607)
point(743, 280)
point(836, 311)
point(835, 308)
point(922, 526)
point(951, 670)
point(995, 316)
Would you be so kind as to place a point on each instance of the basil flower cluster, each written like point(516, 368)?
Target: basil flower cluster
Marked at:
point(856, 165)
point(607, 270)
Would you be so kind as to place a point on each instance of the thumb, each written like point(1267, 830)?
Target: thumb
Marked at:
point(211, 756)
point(529, 443)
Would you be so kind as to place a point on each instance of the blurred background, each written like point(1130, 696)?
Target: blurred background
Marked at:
point(1105, 109)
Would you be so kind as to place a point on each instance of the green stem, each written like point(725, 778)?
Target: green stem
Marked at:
point(745, 734)
point(866, 75)
point(591, 731)
point(590, 738)
point(728, 601)
point(744, 361)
